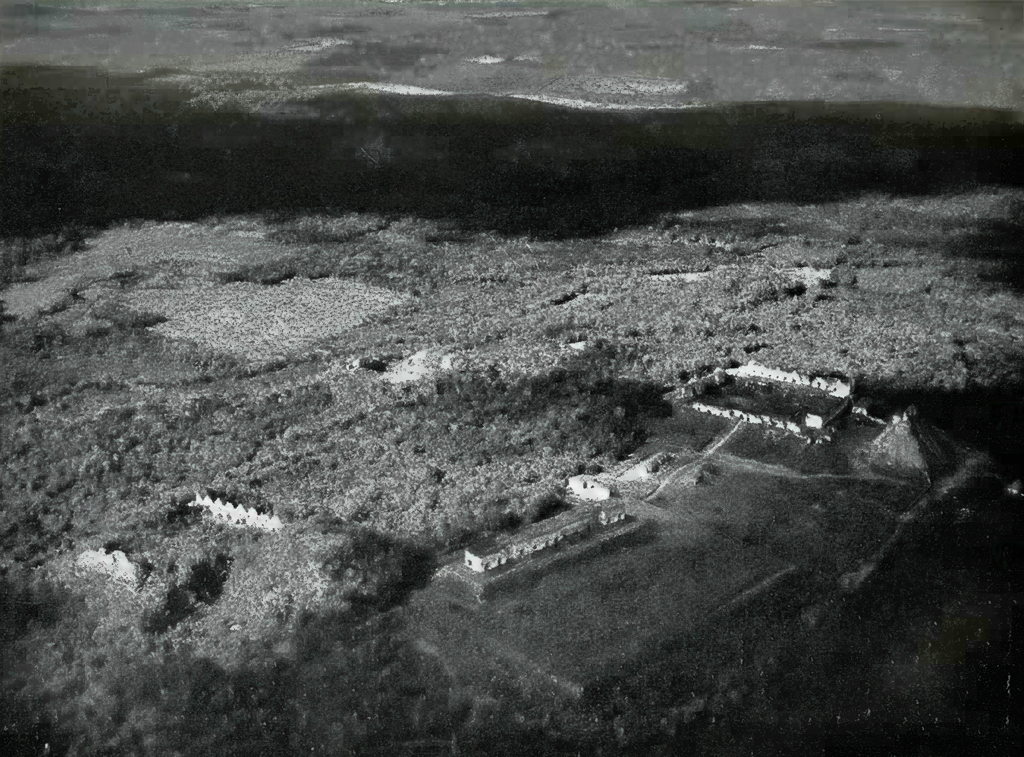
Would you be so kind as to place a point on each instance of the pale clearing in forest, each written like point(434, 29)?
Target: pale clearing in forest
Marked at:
point(262, 323)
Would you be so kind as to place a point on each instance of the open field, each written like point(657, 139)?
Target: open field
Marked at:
point(208, 215)
point(711, 542)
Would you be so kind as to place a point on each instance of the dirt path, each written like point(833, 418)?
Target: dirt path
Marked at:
point(694, 465)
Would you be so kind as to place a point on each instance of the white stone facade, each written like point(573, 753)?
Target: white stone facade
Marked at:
point(238, 515)
point(831, 386)
point(765, 420)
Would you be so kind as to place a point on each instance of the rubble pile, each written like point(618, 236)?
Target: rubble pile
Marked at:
point(116, 564)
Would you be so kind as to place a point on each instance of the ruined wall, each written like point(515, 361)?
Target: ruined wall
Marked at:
point(765, 420)
point(832, 386)
point(238, 515)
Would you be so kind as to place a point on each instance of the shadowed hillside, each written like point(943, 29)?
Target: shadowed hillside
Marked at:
point(479, 162)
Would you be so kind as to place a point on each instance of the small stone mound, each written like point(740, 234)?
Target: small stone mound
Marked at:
point(588, 488)
point(415, 367)
point(645, 469)
point(115, 564)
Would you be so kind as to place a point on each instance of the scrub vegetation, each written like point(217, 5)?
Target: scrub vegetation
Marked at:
point(249, 642)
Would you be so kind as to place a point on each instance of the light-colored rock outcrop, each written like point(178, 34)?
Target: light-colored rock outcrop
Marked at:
point(587, 487)
point(418, 365)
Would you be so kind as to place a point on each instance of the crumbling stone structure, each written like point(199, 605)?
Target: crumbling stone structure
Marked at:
point(588, 488)
point(832, 386)
point(765, 420)
point(575, 524)
point(645, 469)
point(798, 423)
point(116, 564)
point(238, 515)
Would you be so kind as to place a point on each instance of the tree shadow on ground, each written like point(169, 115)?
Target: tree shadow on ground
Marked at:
point(481, 163)
point(995, 241)
point(864, 680)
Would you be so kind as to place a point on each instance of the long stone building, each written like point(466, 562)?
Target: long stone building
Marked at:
point(574, 525)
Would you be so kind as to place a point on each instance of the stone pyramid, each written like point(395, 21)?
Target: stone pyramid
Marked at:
point(910, 446)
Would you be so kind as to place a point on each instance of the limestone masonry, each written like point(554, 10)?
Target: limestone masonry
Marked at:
point(576, 524)
point(238, 515)
point(772, 398)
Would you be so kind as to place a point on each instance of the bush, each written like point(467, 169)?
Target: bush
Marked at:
point(545, 506)
point(204, 584)
point(268, 273)
point(499, 515)
point(126, 319)
point(769, 289)
point(177, 605)
point(24, 602)
point(378, 571)
point(579, 409)
point(18, 252)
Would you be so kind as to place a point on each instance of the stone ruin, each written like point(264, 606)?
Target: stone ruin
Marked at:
point(818, 421)
point(588, 488)
point(757, 419)
point(645, 469)
point(237, 515)
point(116, 564)
point(831, 386)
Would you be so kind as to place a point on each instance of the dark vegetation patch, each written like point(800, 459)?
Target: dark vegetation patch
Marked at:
point(448, 236)
point(105, 362)
point(127, 319)
point(587, 173)
point(375, 263)
point(206, 578)
point(26, 602)
point(322, 231)
point(583, 408)
point(566, 297)
point(769, 289)
point(203, 585)
point(855, 45)
point(126, 452)
point(266, 274)
point(19, 251)
point(546, 506)
point(379, 571)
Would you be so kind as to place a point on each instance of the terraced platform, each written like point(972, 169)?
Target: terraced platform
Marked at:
point(765, 519)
